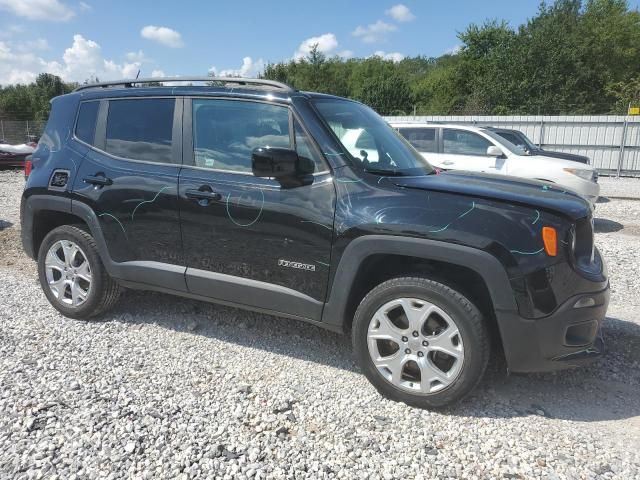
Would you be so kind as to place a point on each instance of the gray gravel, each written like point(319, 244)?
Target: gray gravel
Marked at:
point(172, 388)
point(623, 187)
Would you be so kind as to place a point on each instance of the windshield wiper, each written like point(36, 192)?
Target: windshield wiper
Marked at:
point(381, 171)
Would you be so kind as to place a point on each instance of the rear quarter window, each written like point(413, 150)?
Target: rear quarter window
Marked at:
point(86, 121)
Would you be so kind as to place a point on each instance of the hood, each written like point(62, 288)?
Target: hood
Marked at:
point(563, 155)
point(536, 195)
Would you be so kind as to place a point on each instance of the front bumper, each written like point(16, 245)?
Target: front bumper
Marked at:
point(569, 337)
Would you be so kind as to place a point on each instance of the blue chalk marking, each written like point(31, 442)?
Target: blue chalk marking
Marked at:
point(244, 224)
point(527, 253)
point(537, 218)
point(442, 229)
point(342, 180)
point(119, 223)
point(147, 201)
point(317, 223)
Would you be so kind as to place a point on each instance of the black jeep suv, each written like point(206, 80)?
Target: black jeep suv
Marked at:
point(241, 192)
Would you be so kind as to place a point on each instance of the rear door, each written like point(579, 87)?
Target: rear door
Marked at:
point(129, 177)
point(424, 140)
point(250, 240)
point(465, 150)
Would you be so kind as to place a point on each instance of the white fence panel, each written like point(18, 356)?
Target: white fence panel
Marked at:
point(612, 143)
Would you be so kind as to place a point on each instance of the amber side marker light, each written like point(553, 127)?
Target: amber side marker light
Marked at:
point(550, 240)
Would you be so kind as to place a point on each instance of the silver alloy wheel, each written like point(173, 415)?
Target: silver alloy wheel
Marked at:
point(68, 273)
point(415, 345)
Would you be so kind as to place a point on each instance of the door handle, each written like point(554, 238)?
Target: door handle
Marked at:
point(202, 194)
point(99, 179)
point(448, 162)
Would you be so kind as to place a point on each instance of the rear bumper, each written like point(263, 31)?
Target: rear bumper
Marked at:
point(569, 337)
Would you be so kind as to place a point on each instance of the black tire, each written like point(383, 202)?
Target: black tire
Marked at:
point(104, 291)
point(467, 318)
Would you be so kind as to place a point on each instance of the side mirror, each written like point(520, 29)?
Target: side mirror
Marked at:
point(279, 163)
point(494, 151)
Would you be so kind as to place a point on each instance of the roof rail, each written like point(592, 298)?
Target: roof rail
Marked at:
point(225, 80)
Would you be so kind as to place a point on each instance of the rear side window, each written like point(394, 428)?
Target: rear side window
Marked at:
point(86, 124)
point(141, 129)
point(422, 139)
point(225, 132)
point(462, 142)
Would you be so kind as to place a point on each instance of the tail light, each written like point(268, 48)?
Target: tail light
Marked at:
point(27, 166)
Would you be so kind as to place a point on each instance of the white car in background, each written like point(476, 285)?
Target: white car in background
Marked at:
point(477, 149)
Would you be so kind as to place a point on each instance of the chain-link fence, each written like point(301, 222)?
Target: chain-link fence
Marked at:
point(20, 131)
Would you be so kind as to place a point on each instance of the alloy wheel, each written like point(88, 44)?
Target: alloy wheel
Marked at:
point(415, 345)
point(68, 273)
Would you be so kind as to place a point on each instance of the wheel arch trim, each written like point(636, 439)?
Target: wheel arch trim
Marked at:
point(484, 264)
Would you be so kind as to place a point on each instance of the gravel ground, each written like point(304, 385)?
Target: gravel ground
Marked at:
point(620, 187)
point(172, 388)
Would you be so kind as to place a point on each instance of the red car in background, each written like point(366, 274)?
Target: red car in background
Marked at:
point(15, 155)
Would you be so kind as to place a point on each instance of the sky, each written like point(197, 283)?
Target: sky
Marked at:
point(115, 39)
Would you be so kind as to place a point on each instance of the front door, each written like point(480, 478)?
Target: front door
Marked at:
point(249, 240)
point(465, 150)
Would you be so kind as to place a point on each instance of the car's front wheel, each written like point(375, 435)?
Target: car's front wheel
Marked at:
point(420, 342)
point(72, 275)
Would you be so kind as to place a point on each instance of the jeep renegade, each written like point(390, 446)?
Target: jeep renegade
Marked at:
point(240, 192)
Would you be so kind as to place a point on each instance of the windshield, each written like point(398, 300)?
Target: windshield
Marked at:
point(519, 139)
point(371, 142)
point(500, 140)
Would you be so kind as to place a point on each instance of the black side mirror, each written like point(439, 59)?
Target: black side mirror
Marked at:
point(282, 164)
point(274, 162)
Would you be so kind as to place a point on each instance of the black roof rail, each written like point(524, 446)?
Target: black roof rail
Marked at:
point(225, 80)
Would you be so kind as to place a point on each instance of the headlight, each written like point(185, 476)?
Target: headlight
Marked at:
point(580, 172)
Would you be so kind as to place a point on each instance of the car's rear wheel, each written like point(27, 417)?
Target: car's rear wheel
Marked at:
point(420, 342)
point(72, 275)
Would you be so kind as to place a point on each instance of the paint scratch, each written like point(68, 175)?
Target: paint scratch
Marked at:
point(147, 201)
point(322, 263)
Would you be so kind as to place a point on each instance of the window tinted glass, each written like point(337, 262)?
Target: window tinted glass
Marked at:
point(140, 129)
point(462, 142)
point(86, 125)
point(517, 141)
point(225, 132)
point(423, 139)
point(305, 148)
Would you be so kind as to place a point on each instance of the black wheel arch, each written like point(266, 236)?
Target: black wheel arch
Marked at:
point(436, 259)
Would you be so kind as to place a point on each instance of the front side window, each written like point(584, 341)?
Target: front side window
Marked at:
point(225, 132)
point(388, 153)
point(461, 142)
point(141, 129)
point(86, 123)
point(423, 139)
